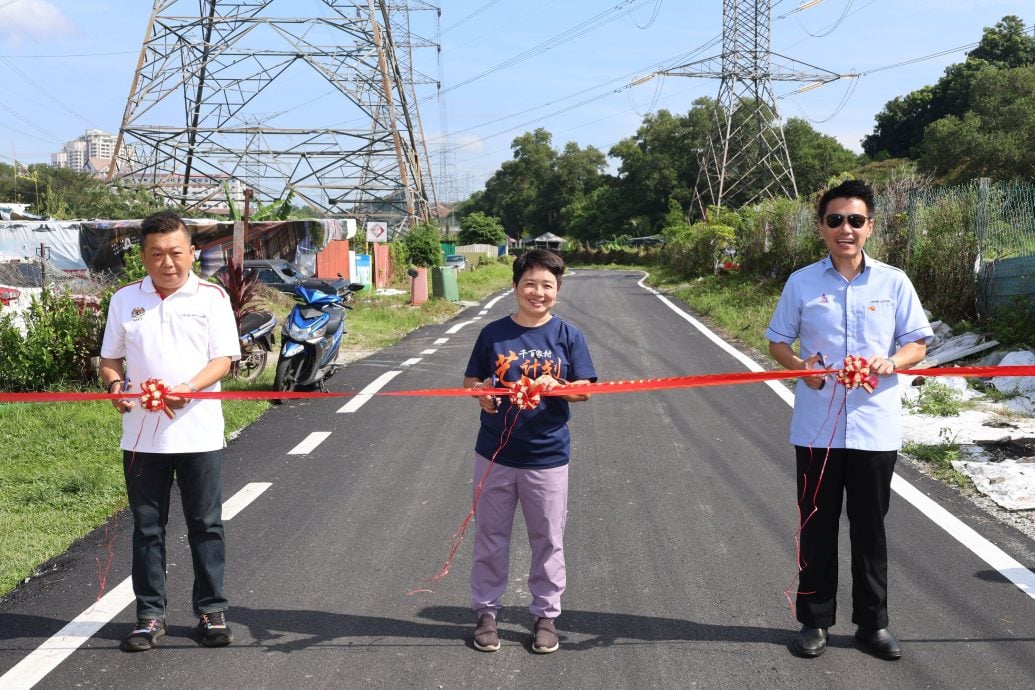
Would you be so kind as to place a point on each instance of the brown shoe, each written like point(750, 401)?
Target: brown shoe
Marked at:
point(544, 636)
point(486, 637)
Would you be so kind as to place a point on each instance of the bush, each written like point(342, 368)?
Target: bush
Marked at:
point(422, 245)
point(56, 349)
point(697, 250)
point(941, 265)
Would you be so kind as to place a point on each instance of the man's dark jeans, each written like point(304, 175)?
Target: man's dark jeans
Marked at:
point(149, 478)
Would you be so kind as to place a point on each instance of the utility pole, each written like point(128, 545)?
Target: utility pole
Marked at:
point(319, 107)
point(746, 155)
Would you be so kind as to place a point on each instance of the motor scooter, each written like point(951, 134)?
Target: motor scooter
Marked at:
point(311, 338)
point(256, 335)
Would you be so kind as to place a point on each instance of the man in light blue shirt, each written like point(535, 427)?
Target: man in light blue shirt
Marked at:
point(846, 441)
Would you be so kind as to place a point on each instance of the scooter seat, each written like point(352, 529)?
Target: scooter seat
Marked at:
point(335, 321)
point(256, 320)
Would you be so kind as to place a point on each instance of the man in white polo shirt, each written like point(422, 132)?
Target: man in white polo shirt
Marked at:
point(846, 441)
point(177, 328)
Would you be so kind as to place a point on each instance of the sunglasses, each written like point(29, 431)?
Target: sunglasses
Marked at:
point(856, 220)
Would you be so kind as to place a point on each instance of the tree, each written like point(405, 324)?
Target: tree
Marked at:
point(815, 157)
point(903, 121)
point(576, 173)
point(660, 163)
point(478, 228)
point(995, 139)
point(514, 191)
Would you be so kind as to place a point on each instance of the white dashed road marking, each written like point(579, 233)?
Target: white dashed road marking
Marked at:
point(367, 393)
point(310, 443)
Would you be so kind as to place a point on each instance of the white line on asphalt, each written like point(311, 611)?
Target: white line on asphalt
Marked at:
point(429, 352)
point(492, 302)
point(367, 393)
point(981, 547)
point(410, 362)
point(441, 341)
point(483, 312)
point(310, 443)
point(457, 327)
point(45, 658)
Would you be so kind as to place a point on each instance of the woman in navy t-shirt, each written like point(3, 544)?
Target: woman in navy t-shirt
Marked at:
point(531, 463)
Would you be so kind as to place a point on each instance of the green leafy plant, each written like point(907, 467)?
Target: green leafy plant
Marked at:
point(938, 400)
point(60, 338)
point(422, 245)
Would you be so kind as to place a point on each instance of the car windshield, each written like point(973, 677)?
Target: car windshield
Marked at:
point(454, 257)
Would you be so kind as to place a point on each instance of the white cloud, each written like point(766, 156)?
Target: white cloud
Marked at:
point(32, 19)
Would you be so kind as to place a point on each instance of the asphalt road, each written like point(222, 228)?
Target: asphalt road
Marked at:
point(679, 544)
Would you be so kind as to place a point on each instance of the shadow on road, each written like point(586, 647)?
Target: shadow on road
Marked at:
point(288, 631)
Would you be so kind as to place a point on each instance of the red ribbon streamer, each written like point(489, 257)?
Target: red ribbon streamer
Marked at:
point(599, 388)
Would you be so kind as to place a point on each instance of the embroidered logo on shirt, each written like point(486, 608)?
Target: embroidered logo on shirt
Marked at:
point(823, 299)
point(137, 313)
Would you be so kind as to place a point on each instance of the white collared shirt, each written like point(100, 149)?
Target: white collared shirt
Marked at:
point(171, 339)
point(866, 316)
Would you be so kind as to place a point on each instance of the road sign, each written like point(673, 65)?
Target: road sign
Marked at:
point(377, 231)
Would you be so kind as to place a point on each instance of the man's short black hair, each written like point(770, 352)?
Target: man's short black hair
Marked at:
point(162, 223)
point(539, 258)
point(849, 189)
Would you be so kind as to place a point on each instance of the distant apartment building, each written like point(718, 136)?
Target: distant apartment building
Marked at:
point(91, 153)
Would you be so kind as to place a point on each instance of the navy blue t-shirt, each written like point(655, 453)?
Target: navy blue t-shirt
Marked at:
point(507, 351)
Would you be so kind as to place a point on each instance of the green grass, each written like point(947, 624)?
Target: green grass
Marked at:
point(61, 470)
point(740, 307)
point(938, 458)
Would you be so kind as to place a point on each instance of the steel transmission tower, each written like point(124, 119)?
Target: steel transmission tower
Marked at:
point(746, 155)
point(227, 96)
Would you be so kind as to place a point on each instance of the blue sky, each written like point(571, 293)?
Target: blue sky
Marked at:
point(509, 66)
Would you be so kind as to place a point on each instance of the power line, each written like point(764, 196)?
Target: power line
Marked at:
point(580, 29)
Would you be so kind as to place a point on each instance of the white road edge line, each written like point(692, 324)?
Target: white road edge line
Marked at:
point(1002, 562)
point(45, 658)
point(441, 341)
point(309, 444)
point(410, 362)
point(492, 302)
point(364, 396)
point(430, 351)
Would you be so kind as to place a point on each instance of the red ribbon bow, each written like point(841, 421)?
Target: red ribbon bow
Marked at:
point(855, 373)
point(526, 393)
point(152, 397)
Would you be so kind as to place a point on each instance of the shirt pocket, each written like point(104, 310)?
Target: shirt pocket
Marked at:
point(878, 317)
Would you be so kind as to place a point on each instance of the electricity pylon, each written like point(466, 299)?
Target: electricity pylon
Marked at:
point(226, 96)
point(746, 155)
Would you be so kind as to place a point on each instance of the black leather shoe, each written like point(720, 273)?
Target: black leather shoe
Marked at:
point(880, 643)
point(810, 642)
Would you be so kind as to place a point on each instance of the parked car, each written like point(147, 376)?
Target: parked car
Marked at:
point(285, 276)
point(457, 261)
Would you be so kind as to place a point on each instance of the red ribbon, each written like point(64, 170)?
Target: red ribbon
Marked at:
point(599, 388)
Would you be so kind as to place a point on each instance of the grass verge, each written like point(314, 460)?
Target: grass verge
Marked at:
point(61, 471)
point(937, 459)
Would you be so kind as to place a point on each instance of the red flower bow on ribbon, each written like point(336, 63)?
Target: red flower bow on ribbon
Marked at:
point(526, 393)
point(855, 373)
point(152, 397)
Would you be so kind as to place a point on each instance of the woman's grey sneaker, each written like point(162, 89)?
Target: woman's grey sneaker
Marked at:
point(214, 630)
point(486, 637)
point(544, 636)
point(145, 635)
